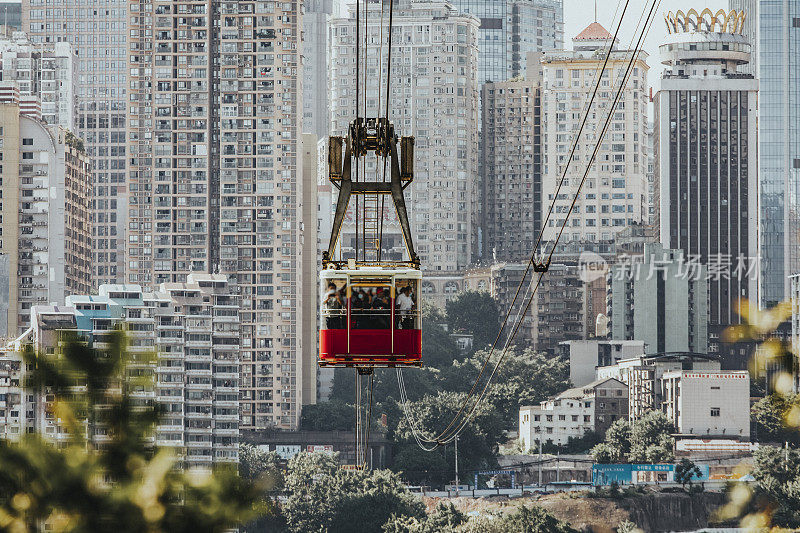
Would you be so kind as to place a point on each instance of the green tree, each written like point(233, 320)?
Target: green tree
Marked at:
point(328, 416)
point(265, 469)
point(524, 378)
point(476, 313)
point(777, 474)
point(477, 443)
point(652, 440)
point(324, 497)
point(525, 519)
point(439, 350)
point(616, 446)
point(446, 518)
point(686, 471)
point(647, 440)
point(256, 465)
point(769, 417)
point(127, 485)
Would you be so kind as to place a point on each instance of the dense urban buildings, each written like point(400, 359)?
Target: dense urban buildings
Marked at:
point(193, 329)
point(509, 29)
point(559, 308)
point(218, 188)
point(615, 193)
point(706, 167)
point(661, 299)
point(45, 245)
point(643, 375)
point(511, 166)
point(98, 31)
point(434, 96)
point(573, 413)
point(317, 15)
point(47, 72)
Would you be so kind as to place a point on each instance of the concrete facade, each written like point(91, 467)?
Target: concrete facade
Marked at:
point(45, 209)
point(708, 404)
point(192, 327)
point(573, 413)
point(643, 374)
point(660, 299)
point(215, 174)
point(511, 166)
point(48, 72)
point(615, 193)
point(98, 32)
point(434, 97)
point(585, 356)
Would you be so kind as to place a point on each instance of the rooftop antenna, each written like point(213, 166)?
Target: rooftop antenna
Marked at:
point(595, 10)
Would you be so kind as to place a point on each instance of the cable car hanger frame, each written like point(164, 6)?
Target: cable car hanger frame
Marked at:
point(372, 135)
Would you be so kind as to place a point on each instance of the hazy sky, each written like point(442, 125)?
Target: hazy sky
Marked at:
point(580, 13)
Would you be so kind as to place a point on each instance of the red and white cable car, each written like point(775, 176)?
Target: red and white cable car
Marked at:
point(370, 317)
point(370, 309)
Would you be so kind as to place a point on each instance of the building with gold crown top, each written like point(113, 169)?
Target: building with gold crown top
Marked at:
point(706, 169)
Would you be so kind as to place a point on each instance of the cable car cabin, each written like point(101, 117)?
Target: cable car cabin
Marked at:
point(370, 317)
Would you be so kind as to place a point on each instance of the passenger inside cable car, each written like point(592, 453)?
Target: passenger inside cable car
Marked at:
point(373, 318)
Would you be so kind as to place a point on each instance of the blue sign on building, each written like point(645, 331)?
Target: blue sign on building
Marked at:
point(636, 474)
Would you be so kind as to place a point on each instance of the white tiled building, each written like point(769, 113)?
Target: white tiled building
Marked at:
point(708, 404)
point(47, 71)
point(434, 97)
point(573, 413)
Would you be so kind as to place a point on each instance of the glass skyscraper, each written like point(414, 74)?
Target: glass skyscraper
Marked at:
point(779, 150)
point(510, 29)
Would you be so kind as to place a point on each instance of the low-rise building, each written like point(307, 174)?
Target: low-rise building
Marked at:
point(642, 375)
point(585, 356)
point(573, 413)
point(708, 404)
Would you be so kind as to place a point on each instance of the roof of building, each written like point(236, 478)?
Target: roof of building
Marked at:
point(594, 31)
point(580, 392)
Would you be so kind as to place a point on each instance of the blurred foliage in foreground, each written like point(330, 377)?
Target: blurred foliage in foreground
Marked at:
point(773, 500)
point(124, 485)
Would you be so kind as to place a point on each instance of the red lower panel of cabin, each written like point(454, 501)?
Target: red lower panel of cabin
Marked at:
point(370, 346)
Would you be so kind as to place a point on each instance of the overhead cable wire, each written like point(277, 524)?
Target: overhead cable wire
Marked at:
point(634, 57)
point(532, 259)
point(444, 437)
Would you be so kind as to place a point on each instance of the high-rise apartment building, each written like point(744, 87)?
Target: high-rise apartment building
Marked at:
point(615, 193)
point(97, 30)
point(193, 330)
point(434, 97)
point(215, 173)
point(511, 167)
point(510, 29)
point(47, 72)
point(45, 246)
point(706, 168)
